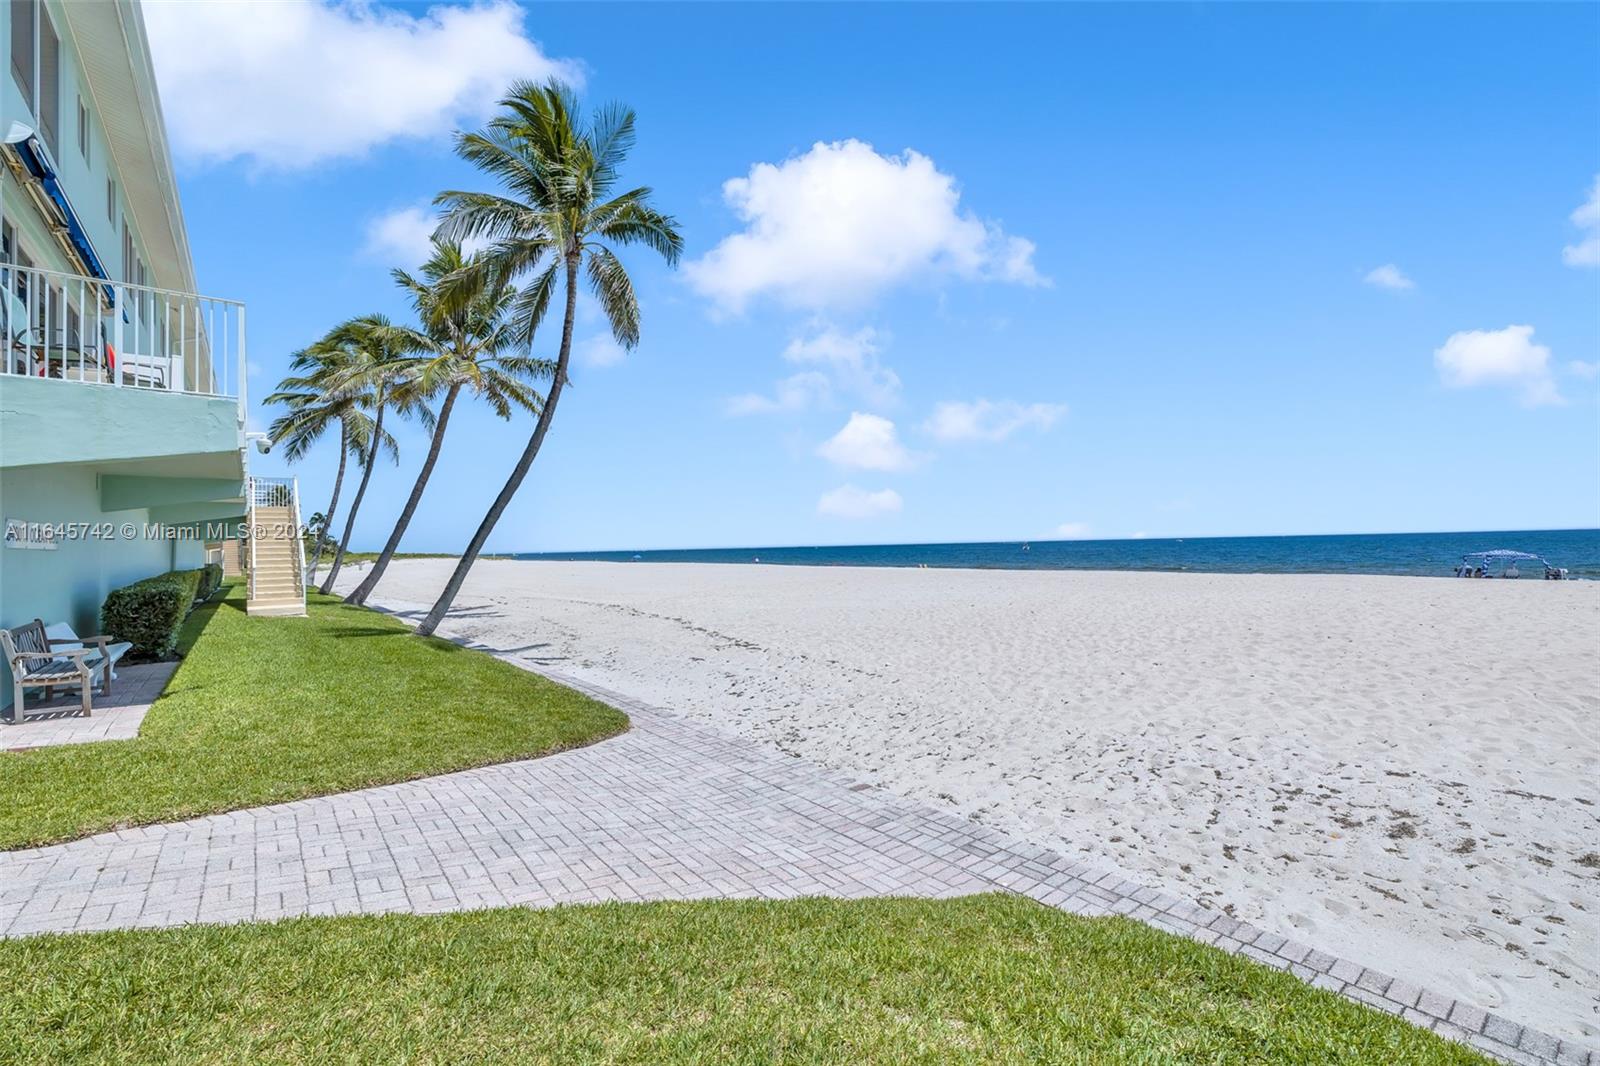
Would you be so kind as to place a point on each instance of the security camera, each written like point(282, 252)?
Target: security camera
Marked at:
point(262, 442)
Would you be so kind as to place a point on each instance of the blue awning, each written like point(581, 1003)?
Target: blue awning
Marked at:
point(24, 143)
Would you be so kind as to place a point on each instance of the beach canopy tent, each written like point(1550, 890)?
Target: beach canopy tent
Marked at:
point(1478, 564)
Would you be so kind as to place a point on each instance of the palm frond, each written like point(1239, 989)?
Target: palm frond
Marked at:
point(634, 221)
point(611, 286)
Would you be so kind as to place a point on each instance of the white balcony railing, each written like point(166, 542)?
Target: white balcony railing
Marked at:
point(76, 328)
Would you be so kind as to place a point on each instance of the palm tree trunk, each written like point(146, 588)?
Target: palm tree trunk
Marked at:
point(370, 582)
point(333, 502)
point(514, 482)
point(355, 504)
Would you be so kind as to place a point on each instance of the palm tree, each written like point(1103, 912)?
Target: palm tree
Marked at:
point(315, 405)
point(382, 377)
point(468, 344)
point(315, 530)
point(559, 174)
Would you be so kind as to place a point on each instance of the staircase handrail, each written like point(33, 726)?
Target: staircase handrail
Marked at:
point(250, 533)
point(299, 541)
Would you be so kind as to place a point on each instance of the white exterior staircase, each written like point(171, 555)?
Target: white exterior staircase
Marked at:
point(277, 557)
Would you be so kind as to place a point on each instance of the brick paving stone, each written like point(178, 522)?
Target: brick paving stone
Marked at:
point(1345, 971)
point(1496, 1028)
point(1469, 1018)
point(1434, 1005)
point(1403, 993)
point(1539, 1044)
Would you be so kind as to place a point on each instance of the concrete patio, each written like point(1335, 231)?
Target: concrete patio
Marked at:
point(116, 717)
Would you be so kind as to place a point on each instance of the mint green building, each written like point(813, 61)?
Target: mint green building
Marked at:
point(122, 441)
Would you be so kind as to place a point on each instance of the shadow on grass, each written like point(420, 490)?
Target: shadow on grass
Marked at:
point(370, 631)
point(202, 615)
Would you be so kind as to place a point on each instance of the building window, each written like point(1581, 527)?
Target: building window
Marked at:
point(83, 130)
point(11, 252)
point(33, 35)
point(22, 12)
point(111, 200)
point(49, 84)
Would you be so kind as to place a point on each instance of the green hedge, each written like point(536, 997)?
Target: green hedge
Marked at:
point(149, 613)
point(210, 581)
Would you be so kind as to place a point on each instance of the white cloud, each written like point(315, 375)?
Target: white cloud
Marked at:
point(841, 223)
point(849, 365)
point(1586, 253)
point(794, 393)
point(1072, 530)
point(847, 501)
point(1498, 357)
point(1580, 369)
point(868, 442)
point(990, 420)
point(291, 83)
point(598, 350)
point(403, 236)
point(852, 361)
point(1389, 276)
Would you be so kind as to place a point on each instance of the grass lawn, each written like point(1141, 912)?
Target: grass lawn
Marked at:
point(994, 978)
point(372, 557)
point(264, 710)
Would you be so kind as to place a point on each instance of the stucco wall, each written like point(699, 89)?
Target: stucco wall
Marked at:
point(46, 420)
point(71, 582)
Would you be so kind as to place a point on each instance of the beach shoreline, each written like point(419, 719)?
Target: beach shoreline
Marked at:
point(1394, 771)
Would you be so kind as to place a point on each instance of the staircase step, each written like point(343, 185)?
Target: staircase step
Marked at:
point(280, 610)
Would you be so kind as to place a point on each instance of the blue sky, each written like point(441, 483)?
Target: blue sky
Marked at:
point(989, 273)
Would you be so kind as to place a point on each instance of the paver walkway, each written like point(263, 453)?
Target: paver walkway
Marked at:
point(670, 810)
point(115, 717)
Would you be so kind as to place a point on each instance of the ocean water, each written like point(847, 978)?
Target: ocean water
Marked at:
point(1415, 554)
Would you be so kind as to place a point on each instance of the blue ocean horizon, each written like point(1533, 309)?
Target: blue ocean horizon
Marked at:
point(1405, 554)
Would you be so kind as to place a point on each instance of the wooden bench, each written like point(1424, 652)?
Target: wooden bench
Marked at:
point(36, 661)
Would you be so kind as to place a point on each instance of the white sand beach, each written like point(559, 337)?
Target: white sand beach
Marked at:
point(1401, 771)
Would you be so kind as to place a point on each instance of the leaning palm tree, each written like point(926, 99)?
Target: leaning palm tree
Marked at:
point(314, 407)
point(463, 344)
point(381, 377)
point(557, 215)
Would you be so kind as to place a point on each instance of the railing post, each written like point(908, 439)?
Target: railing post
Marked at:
point(116, 330)
point(244, 404)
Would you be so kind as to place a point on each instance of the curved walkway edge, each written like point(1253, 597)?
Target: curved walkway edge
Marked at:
point(671, 809)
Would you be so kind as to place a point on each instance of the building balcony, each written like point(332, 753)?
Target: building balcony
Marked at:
point(96, 371)
point(75, 328)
